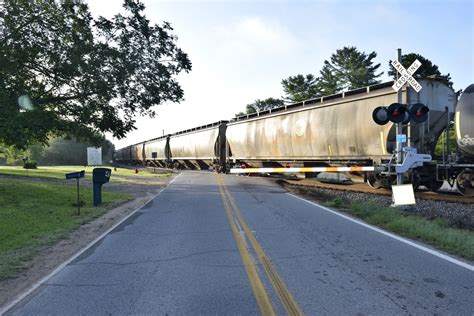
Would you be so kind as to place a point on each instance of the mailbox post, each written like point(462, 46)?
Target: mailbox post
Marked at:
point(77, 176)
point(99, 177)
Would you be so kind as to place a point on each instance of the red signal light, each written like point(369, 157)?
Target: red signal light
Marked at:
point(419, 112)
point(396, 112)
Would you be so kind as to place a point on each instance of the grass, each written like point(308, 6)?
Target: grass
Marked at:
point(58, 172)
point(435, 232)
point(33, 215)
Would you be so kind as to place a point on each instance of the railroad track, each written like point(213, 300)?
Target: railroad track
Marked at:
point(357, 186)
point(364, 188)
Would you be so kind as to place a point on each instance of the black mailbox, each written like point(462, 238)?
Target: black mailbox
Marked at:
point(99, 177)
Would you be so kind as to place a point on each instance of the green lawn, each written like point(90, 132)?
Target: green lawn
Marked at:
point(435, 232)
point(58, 172)
point(36, 214)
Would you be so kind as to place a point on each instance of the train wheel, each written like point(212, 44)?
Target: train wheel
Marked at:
point(465, 183)
point(374, 181)
point(415, 180)
point(434, 185)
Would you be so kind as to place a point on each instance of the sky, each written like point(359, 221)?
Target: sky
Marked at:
point(241, 50)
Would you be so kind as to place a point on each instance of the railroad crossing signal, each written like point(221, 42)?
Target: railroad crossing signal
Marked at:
point(406, 75)
point(400, 113)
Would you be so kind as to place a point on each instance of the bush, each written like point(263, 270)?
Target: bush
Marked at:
point(337, 202)
point(30, 164)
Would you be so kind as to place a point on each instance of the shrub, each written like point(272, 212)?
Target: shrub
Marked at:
point(30, 164)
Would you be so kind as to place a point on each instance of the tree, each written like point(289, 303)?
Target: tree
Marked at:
point(263, 105)
point(62, 151)
point(426, 69)
point(299, 88)
point(64, 73)
point(329, 83)
point(348, 69)
point(12, 155)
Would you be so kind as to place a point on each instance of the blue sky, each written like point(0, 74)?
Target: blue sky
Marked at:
point(241, 50)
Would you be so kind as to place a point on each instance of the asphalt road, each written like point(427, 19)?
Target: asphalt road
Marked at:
point(224, 245)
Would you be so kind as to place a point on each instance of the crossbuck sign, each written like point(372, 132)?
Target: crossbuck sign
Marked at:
point(406, 75)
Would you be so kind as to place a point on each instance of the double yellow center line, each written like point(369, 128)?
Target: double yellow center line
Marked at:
point(263, 300)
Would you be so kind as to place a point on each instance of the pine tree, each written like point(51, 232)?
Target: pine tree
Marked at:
point(348, 69)
point(299, 88)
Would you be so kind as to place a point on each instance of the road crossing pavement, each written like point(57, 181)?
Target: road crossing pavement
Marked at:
point(226, 245)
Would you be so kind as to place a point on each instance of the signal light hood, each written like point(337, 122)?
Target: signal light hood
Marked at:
point(380, 115)
point(396, 112)
point(400, 113)
point(419, 112)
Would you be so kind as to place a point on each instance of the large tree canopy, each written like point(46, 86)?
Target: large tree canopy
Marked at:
point(426, 69)
point(63, 151)
point(64, 73)
point(299, 88)
point(60, 151)
point(348, 69)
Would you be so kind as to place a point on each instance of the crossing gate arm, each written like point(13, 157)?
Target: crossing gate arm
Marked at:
point(304, 169)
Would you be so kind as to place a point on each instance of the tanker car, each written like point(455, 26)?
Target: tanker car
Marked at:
point(331, 130)
point(458, 168)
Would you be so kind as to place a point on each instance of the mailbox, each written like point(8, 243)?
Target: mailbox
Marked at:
point(99, 177)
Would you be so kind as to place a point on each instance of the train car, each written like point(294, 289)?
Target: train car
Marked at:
point(137, 154)
point(157, 152)
point(465, 123)
point(337, 129)
point(118, 155)
point(199, 148)
point(122, 155)
point(458, 168)
point(332, 130)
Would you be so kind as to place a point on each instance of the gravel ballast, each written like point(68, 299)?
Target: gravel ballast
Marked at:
point(459, 215)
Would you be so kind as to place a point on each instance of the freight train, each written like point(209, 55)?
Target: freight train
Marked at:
point(335, 130)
